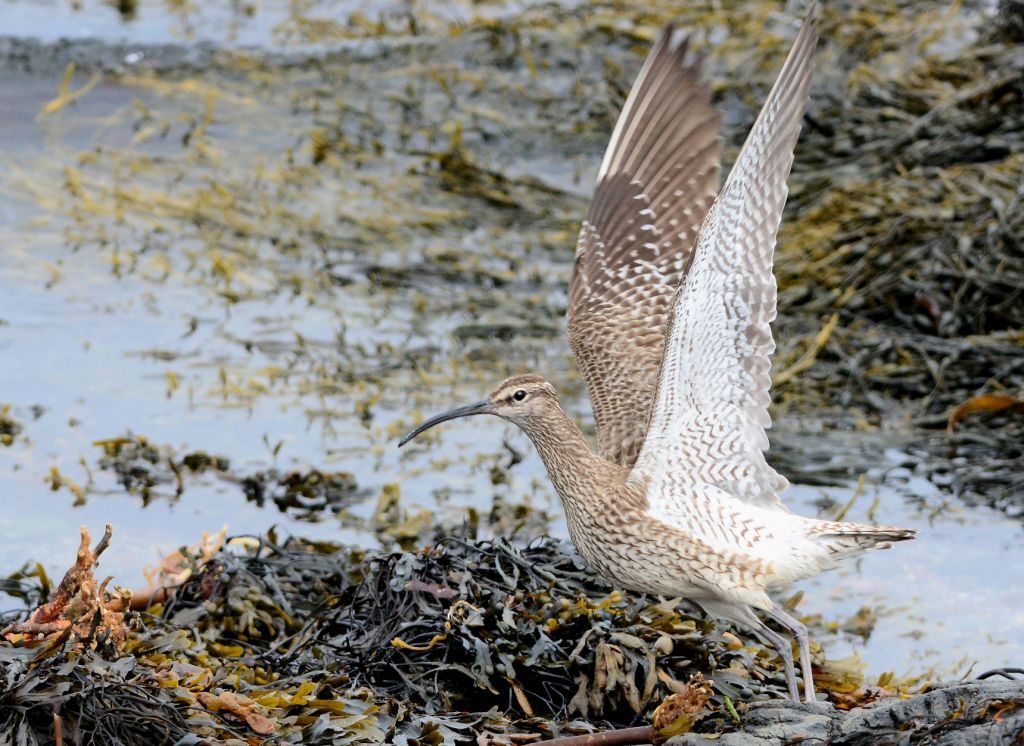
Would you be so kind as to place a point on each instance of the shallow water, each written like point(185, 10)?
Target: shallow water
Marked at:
point(268, 24)
point(111, 323)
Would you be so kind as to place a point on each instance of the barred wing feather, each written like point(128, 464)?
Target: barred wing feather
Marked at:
point(710, 412)
point(656, 183)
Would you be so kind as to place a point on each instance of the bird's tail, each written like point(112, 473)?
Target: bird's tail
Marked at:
point(843, 540)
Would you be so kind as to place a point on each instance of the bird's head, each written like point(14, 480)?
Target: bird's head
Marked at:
point(520, 399)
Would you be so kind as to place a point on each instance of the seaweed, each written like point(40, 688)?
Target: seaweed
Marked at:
point(10, 428)
point(90, 699)
point(467, 626)
point(152, 471)
point(65, 669)
point(294, 641)
point(310, 494)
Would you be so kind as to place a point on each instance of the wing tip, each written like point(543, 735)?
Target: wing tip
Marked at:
point(671, 51)
point(775, 131)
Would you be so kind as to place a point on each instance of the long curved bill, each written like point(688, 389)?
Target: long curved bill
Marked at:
point(480, 407)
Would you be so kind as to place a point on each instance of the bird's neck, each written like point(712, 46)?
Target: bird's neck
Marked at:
point(578, 474)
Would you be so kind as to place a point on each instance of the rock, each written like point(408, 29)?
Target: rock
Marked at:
point(952, 714)
point(955, 714)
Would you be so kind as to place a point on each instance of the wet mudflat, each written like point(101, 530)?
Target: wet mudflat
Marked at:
point(232, 277)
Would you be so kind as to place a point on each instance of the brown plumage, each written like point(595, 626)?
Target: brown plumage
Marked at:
point(658, 179)
point(679, 500)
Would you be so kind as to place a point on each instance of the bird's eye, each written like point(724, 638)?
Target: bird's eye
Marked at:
point(519, 395)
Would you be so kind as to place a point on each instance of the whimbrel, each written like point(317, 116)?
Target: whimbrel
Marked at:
point(670, 306)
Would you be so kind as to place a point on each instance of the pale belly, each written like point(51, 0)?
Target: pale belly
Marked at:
point(639, 564)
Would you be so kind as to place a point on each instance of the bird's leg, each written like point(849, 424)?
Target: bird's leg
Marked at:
point(785, 649)
point(800, 633)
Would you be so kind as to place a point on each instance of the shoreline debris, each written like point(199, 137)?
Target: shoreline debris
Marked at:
point(81, 611)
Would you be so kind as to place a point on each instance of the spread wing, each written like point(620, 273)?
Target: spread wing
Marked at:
point(710, 410)
point(656, 183)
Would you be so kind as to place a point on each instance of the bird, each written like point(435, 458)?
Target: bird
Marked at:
point(669, 311)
